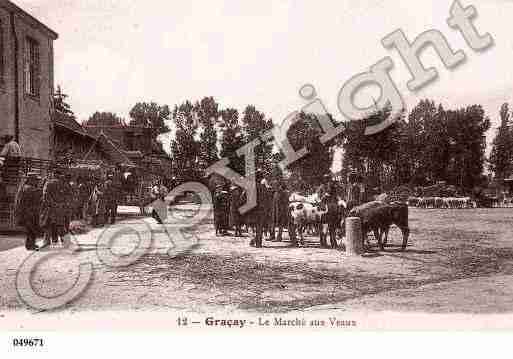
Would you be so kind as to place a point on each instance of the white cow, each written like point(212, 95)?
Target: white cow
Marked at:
point(305, 215)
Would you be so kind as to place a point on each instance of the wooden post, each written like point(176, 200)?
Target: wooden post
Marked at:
point(354, 245)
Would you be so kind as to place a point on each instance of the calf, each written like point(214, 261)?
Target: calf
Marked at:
point(302, 215)
point(378, 217)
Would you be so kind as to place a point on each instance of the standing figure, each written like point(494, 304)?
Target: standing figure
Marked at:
point(235, 204)
point(118, 190)
point(280, 211)
point(267, 202)
point(109, 195)
point(159, 193)
point(11, 148)
point(9, 157)
point(333, 216)
point(69, 199)
point(96, 204)
point(353, 195)
point(260, 212)
point(53, 209)
point(28, 210)
point(221, 210)
point(82, 197)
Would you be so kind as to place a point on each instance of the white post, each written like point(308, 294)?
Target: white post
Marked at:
point(354, 245)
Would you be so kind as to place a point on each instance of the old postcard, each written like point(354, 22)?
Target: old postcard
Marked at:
point(255, 166)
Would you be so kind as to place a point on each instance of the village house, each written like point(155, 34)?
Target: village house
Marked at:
point(137, 144)
point(71, 139)
point(128, 138)
point(26, 80)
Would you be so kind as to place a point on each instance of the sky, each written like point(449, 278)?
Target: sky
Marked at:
point(113, 53)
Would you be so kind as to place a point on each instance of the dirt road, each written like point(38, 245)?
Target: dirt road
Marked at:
point(457, 261)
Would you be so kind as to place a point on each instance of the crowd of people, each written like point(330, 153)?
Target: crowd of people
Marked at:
point(48, 206)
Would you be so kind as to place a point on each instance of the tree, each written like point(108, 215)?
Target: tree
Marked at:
point(501, 156)
point(232, 139)
point(62, 112)
point(466, 128)
point(60, 104)
point(184, 147)
point(434, 145)
point(309, 171)
point(207, 113)
point(254, 125)
point(374, 157)
point(104, 119)
point(151, 115)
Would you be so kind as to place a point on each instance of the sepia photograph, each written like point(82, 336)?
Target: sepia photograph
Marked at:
point(245, 166)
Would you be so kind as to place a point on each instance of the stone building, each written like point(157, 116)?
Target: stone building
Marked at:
point(26, 79)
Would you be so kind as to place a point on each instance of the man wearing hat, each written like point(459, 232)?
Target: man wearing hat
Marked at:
point(221, 209)
point(27, 209)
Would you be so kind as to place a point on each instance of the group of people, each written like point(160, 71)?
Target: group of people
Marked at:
point(49, 206)
point(228, 200)
point(271, 213)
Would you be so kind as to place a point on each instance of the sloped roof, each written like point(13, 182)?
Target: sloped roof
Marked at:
point(10, 6)
point(133, 154)
point(109, 147)
point(70, 124)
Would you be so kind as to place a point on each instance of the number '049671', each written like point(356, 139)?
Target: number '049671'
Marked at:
point(27, 342)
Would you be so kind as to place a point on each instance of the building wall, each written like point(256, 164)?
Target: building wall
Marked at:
point(7, 87)
point(34, 112)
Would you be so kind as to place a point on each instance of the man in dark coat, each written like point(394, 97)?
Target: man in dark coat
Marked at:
point(28, 210)
point(110, 194)
point(280, 211)
point(333, 216)
point(221, 209)
point(235, 204)
point(53, 209)
point(69, 197)
point(260, 212)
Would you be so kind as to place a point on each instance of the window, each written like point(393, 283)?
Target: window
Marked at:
point(2, 63)
point(32, 69)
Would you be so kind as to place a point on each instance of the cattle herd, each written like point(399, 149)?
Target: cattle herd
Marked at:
point(319, 215)
point(442, 202)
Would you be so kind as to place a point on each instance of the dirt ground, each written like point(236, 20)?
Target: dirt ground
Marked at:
point(456, 261)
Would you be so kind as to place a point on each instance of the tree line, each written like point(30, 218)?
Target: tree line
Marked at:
point(425, 146)
point(433, 144)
